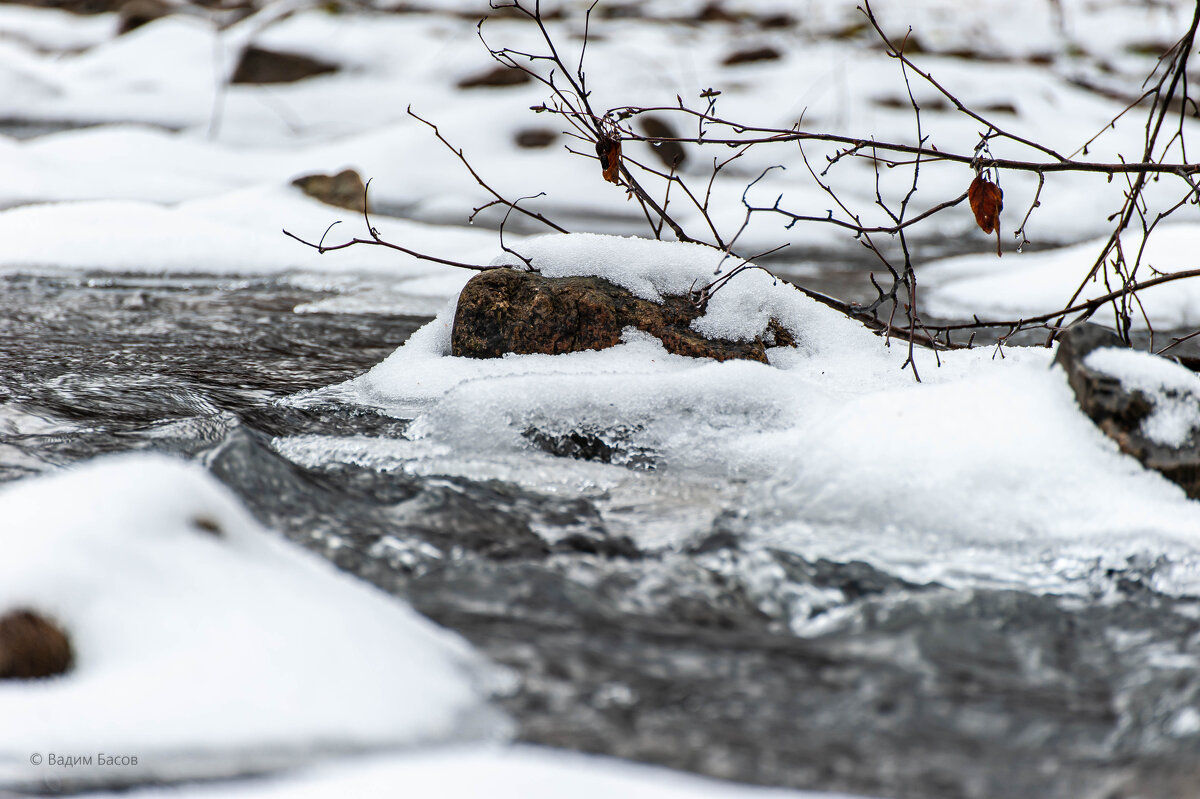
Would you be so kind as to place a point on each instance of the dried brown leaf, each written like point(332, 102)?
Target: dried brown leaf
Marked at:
point(609, 152)
point(986, 200)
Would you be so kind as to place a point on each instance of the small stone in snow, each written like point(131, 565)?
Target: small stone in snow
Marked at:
point(31, 646)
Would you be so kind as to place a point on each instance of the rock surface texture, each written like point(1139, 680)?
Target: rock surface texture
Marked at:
point(1120, 411)
point(508, 310)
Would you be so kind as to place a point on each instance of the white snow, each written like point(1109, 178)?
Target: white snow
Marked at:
point(208, 655)
point(1028, 284)
point(519, 772)
point(1173, 390)
point(237, 137)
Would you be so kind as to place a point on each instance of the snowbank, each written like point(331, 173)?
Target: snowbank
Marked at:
point(167, 76)
point(1027, 284)
point(203, 653)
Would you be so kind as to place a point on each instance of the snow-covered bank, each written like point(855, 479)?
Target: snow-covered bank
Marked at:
point(1030, 284)
point(203, 645)
point(986, 471)
point(193, 138)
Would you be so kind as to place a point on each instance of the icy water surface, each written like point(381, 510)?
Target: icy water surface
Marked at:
point(719, 655)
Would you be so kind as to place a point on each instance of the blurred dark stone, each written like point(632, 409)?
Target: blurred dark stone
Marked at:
point(535, 138)
point(345, 189)
point(75, 6)
point(110, 6)
point(208, 525)
point(671, 153)
point(776, 21)
point(258, 65)
point(1119, 411)
point(498, 76)
point(509, 310)
point(136, 13)
point(715, 12)
point(625, 11)
point(751, 55)
point(32, 646)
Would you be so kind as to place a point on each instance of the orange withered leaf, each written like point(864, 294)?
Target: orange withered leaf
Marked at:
point(609, 151)
point(986, 200)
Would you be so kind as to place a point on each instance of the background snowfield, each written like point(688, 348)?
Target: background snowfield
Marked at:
point(217, 657)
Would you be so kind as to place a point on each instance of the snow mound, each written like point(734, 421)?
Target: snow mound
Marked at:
point(520, 772)
point(985, 473)
point(203, 645)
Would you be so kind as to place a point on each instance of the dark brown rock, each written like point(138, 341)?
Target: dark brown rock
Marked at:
point(108, 6)
point(534, 138)
point(75, 6)
point(621, 11)
point(259, 65)
point(1119, 411)
point(498, 76)
point(775, 21)
point(509, 310)
point(1100, 396)
point(136, 13)
point(752, 55)
point(715, 12)
point(345, 189)
point(671, 153)
point(207, 525)
point(32, 646)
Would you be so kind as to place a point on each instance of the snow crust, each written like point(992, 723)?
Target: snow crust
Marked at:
point(985, 472)
point(208, 655)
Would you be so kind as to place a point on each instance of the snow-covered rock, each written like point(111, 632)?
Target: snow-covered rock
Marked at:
point(203, 645)
point(986, 472)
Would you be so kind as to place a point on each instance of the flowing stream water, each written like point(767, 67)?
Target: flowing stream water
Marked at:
point(686, 655)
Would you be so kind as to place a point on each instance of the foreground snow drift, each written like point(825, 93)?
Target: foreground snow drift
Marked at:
point(511, 773)
point(204, 646)
point(986, 471)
